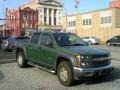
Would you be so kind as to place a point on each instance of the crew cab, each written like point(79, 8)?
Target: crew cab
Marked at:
point(65, 55)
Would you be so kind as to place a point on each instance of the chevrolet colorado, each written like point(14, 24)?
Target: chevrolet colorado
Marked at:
point(65, 55)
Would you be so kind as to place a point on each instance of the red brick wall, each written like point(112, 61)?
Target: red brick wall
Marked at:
point(114, 3)
point(15, 20)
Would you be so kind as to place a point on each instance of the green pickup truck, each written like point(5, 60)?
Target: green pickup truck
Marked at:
point(65, 55)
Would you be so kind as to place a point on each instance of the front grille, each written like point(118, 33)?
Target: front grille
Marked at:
point(100, 63)
point(94, 63)
point(100, 56)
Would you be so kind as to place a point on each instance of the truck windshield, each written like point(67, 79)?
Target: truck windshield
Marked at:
point(66, 39)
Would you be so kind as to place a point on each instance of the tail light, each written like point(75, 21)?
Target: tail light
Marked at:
point(4, 42)
point(14, 45)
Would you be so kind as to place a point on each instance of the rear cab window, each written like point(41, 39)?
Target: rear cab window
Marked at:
point(35, 38)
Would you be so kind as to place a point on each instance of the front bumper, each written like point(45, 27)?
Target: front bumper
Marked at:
point(91, 72)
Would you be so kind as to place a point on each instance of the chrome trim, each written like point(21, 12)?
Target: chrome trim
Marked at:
point(93, 69)
point(101, 59)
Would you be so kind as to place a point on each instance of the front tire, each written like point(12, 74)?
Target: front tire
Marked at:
point(21, 61)
point(65, 73)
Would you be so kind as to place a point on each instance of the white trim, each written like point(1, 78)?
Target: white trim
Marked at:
point(106, 13)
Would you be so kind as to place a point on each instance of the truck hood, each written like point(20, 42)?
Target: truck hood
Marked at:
point(86, 50)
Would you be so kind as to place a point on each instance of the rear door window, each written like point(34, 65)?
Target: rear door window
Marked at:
point(35, 38)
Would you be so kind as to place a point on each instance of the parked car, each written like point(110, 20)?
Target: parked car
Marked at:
point(9, 43)
point(91, 40)
point(113, 41)
point(2, 38)
point(64, 55)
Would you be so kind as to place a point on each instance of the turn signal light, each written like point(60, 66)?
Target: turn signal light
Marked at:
point(78, 61)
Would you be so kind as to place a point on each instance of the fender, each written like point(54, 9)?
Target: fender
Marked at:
point(66, 57)
point(23, 49)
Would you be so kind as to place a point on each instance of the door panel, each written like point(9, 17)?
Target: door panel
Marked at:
point(33, 52)
point(48, 54)
point(33, 48)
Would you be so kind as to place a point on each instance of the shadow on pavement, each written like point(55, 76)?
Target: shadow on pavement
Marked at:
point(110, 78)
point(1, 75)
point(7, 61)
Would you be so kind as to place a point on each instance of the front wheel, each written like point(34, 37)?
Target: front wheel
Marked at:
point(65, 73)
point(89, 42)
point(21, 60)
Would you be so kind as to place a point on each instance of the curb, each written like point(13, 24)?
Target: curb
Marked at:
point(3, 61)
point(114, 59)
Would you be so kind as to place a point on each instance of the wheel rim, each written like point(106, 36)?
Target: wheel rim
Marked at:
point(89, 43)
point(20, 60)
point(64, 74)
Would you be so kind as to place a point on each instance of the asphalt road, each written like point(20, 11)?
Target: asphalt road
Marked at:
point(6, 57)
point(31, 78)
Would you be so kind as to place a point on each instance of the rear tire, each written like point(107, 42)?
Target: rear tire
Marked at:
point(65, 73)
point(21, 61)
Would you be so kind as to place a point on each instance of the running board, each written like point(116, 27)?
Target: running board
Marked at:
point(42, 67)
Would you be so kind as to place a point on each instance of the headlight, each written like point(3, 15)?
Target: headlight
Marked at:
point(86, 57)
point(109, 56)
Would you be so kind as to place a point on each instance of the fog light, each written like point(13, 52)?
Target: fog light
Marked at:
point(83, 64)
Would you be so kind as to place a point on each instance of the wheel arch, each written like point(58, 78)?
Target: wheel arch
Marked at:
point(60, 59)
point(21, 50)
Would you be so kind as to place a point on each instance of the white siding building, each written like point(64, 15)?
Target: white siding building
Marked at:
point(49, 14)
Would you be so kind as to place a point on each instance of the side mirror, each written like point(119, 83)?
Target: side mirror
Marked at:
point(49, 44)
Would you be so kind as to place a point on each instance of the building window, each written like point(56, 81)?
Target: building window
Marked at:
point(45, 15)
point(23, 25)
point(105, 20)
point(31, 17)
point(25, 17)
point(31, 26)
point(71, 23)
point(87, 22)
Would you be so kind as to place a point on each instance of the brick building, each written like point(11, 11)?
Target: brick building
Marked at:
point(103, 24)
point(6, 32)
point(21, 20)
point(114, 3)
point(49, 13)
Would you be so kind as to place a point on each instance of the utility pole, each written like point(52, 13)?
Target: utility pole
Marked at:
point(4, 17)
point(66, 14)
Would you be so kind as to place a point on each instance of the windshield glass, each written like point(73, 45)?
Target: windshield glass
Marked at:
point(65, 39)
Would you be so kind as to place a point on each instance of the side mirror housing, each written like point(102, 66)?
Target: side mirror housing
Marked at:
point(49, 44)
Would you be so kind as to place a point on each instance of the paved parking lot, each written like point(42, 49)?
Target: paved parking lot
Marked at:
point(32, 78)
